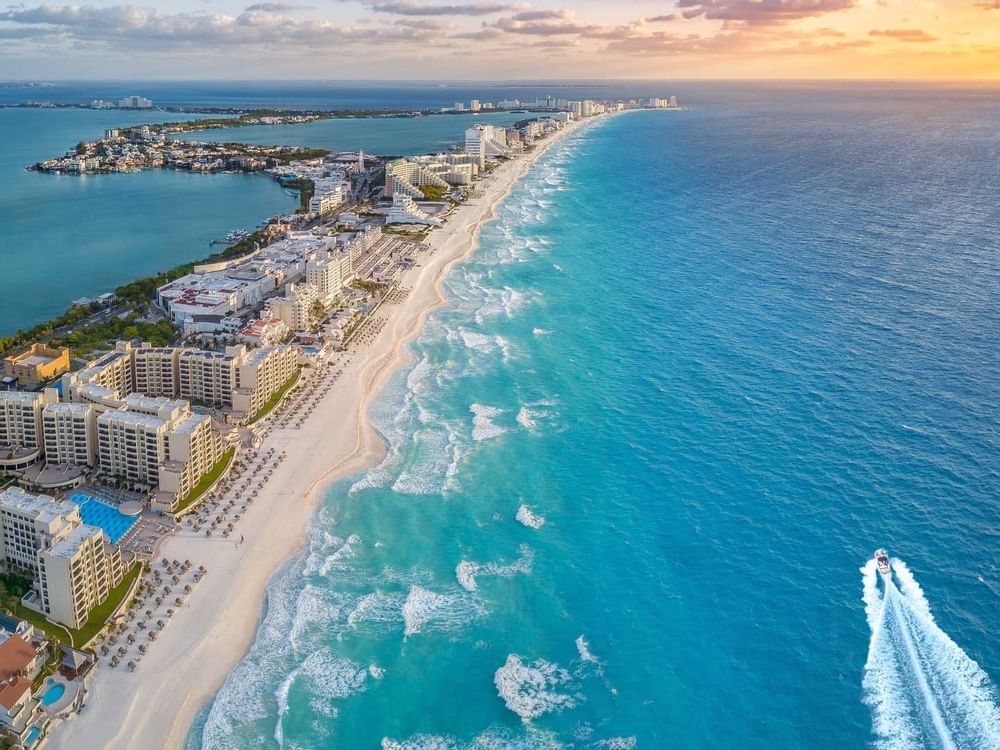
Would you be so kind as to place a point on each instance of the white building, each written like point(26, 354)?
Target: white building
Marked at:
point(70, 434)
point(405, 211)
point(21, 442)
point(329, 273)
point(484, 142)
point(74, 566)
point(295, 309)
point(261, 375)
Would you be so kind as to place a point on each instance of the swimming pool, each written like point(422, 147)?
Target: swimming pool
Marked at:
point(32, 735)
point(53, 693)
point(95, 513)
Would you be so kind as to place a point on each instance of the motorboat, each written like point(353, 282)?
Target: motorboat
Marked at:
point(882, 561)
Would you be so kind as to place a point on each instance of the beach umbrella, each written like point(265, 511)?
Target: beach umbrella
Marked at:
point(122, 650)
point(131, 666)
point(161, 623)
point(114, 661)
point(142, 648)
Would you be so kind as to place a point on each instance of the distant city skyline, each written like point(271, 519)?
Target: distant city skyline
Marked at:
point(500, 39)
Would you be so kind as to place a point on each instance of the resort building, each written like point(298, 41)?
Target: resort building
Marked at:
point(21, 442)
point(106, 380)
point(70, 434)
point(38, 365)
point(193, 448)
point(18, 709)
point(407, 177)
point(295, 309)
point(209, 377)
point(262, 375)
point(405, 211)
point(156, 370)
point(329, 273)
point(485, 142)
point(264, 332)
point(74, 566)
point(158, 443)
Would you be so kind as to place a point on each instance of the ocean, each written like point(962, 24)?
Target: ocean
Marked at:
point(702, 364)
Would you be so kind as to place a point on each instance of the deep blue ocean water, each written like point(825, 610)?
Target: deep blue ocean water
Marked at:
point(702, 364)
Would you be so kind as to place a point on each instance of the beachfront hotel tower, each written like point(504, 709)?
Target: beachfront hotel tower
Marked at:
point(73, 565)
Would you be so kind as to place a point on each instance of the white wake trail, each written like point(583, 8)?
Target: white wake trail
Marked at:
point(924, 691)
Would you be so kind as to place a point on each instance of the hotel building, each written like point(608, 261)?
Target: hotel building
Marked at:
point(74, 566)
point(156, 371)
point(21, 427)
point(295, 308)
point(209, 377)
point(263, 373)
point(70, 434)
point(329, 274)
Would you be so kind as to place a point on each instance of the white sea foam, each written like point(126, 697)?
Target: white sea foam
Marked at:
point(540, 332)
point(922, 688)
point(425, 609)
point(376, 672)
point(617, 743)
point(483, 427)
point(529, 688)
point(467, 572)
point(529, 519)
point(583, 648)
point(376, 607)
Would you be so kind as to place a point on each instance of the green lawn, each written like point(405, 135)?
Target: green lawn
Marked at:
point(278, 395)
point(98, 616)
point(206, 481)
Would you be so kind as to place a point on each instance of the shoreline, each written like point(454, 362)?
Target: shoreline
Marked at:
point(215, 628)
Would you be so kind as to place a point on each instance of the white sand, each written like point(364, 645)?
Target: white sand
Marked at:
point(154, 706)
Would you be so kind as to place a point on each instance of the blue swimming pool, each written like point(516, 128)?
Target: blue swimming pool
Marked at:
point(95, 513)
point(32, 735)
point(53, 692)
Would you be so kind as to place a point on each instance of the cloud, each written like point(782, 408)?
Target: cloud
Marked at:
point(138, 25)
point(904, 35)
point(761, 11)
point(412, 8)
point(277, 7)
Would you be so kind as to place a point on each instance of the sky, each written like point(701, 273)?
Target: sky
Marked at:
point(501, 39)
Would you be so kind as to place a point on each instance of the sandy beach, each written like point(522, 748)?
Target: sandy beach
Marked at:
point(155, 706)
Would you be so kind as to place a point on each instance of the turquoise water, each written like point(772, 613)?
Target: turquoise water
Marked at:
point(32, 735)
point(398, 136)
point(114, 523)
point(701, 366)
point(53, 693)
point(67, 236)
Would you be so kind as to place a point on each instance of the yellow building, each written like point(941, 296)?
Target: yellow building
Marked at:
point(37, 365)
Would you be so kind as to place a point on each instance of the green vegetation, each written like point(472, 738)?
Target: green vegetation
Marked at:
point(75, 314)
point(273, 401)
point(103, 334)
point(97, 620)
point(13, 586)
point(433, 192)
point(306, 188)
point(206, 481)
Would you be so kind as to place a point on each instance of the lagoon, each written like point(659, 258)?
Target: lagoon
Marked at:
point(70, 236)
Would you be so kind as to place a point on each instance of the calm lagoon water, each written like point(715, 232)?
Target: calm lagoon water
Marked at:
point(71, 236)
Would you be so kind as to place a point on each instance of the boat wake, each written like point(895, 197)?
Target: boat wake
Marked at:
point(923, 690)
